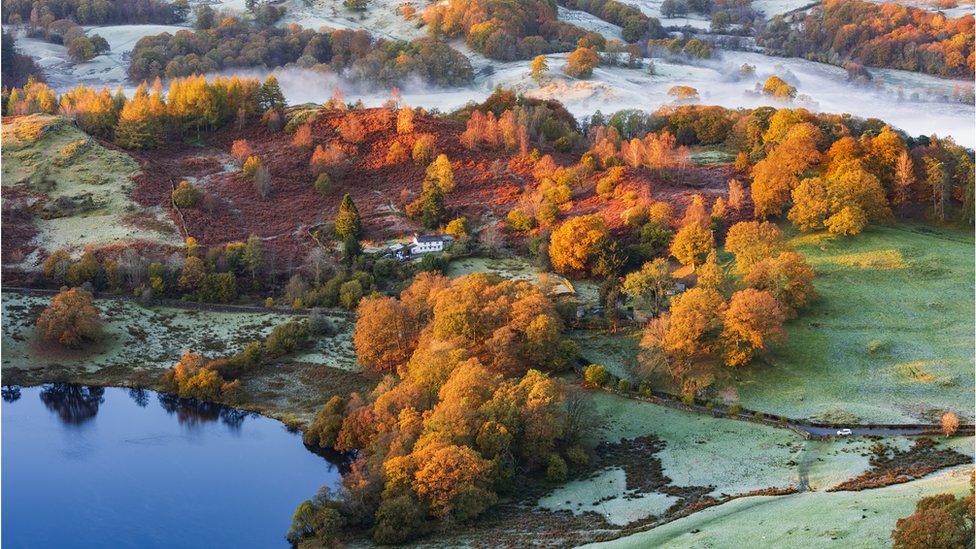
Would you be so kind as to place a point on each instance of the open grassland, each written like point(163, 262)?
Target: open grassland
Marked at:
point(809, 519)
point(889, 340)
point(77, 189)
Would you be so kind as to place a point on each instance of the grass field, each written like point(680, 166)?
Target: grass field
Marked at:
point(889, 340)
point(809, 519)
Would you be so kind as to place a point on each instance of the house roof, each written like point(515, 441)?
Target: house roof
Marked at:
point(432, 238)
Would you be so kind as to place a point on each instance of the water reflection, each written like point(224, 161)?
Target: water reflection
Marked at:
point(139, 396)
point(74, 404)
point(10, 393)
point(191, 412)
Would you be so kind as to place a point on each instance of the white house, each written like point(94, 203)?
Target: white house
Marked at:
point(429, 243)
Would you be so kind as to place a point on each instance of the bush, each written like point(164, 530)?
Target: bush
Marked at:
point(251, 166)
point(557, 470)
point(623, 386)
point(596, 374)
point(350, 293)
point(518, 220)
point(71, 319)
point(323, 183)
point(286, 338)
point(185, 195)
point(423, 150)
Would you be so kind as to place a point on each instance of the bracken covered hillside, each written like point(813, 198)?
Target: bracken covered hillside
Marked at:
point(489, 183)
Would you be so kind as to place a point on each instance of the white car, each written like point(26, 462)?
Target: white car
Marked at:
point(844, 432)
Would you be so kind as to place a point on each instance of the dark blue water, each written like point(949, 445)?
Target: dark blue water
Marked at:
point(118, 468)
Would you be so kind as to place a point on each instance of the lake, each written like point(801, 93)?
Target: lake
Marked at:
point(111, 467)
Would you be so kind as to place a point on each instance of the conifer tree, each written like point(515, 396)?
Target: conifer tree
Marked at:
point(270, 96)
point(432, 206)
point(347, 221)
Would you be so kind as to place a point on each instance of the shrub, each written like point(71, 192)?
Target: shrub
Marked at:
point(556, 470)
point(251, 166)
point(240, 150)
point(623, 386)
point(396, 154)
point(518, 220)
point(423, 149)
point(71, 319)
point(323, 183)
point(186, 195)
point(286, 338)
point(404, 120)
point(595, 374)
point(302, 137)
point(218, 288)
point(350, 293)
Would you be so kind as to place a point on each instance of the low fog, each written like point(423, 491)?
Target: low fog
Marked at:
point(916, 103)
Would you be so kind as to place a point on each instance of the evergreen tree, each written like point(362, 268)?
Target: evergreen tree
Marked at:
point(350, 249)
point(432, 207)
point(347, 221)
point(270, 96)
point(253, 258)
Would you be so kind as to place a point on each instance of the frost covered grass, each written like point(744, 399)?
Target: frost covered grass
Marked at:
point(86, 186)
point(606, 494)
point(617, 352)
point(732, 457)
point(889, 340)
point(725, 457)
point(142, 338)
point(809, 519)
point(515, 268)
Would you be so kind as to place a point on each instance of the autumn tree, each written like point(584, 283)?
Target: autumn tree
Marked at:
point(776, 87)
point(904, 180)
point(423, 149)
point(711, 274)
point(950, 423)
point(539, 67)
point(576, 244)
point(691, 244)
point(686, 340)
point(776, 175)
point(788, 277)
point(753, 241)
point(752, 319)
point(404, 123)
point(386, 333)
point(440, 173)
point(941, 521)
point(581, 62)
point(347, 221)
point(649, 286)
point(141, 121)
point(71, 319)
